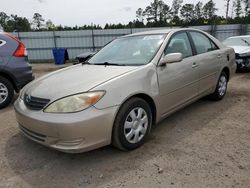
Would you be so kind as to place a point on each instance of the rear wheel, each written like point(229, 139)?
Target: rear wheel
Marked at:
point(221, 88)
point(132, 124)
point(6, 92)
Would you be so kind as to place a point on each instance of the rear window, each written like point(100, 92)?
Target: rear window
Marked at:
point(202, 43)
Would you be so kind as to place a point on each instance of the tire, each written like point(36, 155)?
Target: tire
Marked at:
point(6, 92)
point(132, 124)
point(221, 88)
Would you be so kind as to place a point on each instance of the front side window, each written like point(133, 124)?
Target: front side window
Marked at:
point(135, 50)
point(202, 43)
point(179, 43)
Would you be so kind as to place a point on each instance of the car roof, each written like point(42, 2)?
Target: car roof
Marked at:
point(162, 31)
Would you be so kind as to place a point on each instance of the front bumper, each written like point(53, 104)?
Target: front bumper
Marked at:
point(70, 133)
point(243, 63)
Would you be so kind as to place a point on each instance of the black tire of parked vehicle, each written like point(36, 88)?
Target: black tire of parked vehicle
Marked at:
point(10, 89)
point(216, 96)
point(118, 136)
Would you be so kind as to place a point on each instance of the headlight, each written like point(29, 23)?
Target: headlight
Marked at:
point(21, 94)
point(74, 103)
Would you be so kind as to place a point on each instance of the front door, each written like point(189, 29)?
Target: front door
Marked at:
point(178, 82)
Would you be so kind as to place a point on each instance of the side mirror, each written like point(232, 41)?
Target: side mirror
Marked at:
point(171, 58)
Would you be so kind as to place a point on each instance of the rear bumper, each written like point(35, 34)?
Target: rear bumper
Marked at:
point(25, 80)
point(23, 76)
point(70, 133)
point(20, 72)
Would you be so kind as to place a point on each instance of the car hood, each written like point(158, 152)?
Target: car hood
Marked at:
point(74, 79)
point(241, 49)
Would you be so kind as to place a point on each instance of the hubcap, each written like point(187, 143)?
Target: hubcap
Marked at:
point(222, 85)
point(3, 93)
point(136, 125)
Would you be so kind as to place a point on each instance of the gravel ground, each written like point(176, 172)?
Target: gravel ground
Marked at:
point(207, 144)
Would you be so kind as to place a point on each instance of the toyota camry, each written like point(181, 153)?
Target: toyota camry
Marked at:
point(123, 90)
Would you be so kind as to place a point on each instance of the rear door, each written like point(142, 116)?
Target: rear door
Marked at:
point(178, 82)
point(208, 58)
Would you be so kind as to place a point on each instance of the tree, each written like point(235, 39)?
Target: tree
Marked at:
point(157, 11)
point(136, 24)
point(209, 10)
point(198, 13)
point(176, 5)
point(237, 8)
point(49, 25)
point(38, 21)
point(3, 19)
point(246, 7)
point(152, 11)
point(187, 12)
point(140, 14)
point(227, 8)
point(16, 23)
point(165, 14)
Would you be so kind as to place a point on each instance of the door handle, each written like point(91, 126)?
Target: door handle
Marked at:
point(219, 56)
point(194, 65)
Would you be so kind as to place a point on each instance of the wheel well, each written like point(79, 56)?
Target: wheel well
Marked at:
point(8, 77)
point(227, 72)
point(151, 103)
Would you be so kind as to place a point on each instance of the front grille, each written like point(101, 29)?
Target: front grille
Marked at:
point(35, 103)
point(36, 136)
point(237, 56)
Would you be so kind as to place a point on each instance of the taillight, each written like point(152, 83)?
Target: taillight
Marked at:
point(21, 50)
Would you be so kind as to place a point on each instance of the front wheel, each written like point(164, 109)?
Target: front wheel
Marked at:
point(221, 88)
point(132, 124)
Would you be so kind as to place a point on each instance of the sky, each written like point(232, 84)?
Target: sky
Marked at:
point(81, 12)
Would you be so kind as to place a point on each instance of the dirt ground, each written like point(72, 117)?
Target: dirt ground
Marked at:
point(207, 144)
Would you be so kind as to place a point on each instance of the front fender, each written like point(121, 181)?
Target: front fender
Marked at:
point(118, 90)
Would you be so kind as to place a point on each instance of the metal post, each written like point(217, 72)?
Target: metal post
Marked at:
point(93, 38)
point(54, 37)
point(243, 29)
point(18, 35)
point(213, 29)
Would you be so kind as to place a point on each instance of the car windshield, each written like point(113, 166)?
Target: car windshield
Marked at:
point(242, 41)
point(134, 50)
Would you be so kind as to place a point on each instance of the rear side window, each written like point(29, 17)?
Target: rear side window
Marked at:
point(202, 43)
point(179, 43)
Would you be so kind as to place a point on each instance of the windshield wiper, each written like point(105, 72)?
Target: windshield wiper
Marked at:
point(85, 63)
point(107, 64)
point(246, 42)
